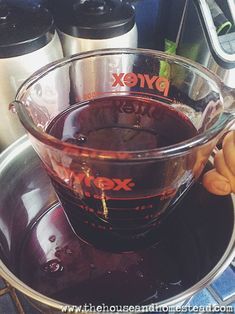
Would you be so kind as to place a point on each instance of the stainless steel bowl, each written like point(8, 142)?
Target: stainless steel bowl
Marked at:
point(199, 238)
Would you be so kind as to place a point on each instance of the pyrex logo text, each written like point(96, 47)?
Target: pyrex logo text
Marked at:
point(78, 179)
point(144, 80)
point(104, 183)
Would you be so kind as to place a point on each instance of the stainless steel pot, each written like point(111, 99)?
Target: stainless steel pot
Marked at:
point(199, 238)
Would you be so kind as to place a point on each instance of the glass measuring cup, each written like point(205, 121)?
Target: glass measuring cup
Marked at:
point(123, 134)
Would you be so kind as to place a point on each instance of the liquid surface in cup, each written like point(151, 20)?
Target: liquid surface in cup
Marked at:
point(117, 200)
point(122, 123)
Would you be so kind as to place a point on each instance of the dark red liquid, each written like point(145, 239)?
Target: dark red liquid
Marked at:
point(119, 201)
point(51, 259)
point(122, 123)
point(65, 268)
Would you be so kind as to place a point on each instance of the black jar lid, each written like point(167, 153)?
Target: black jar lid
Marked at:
point(24, 30)
point(95, 19)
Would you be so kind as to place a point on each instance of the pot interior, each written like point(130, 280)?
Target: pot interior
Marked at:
point(38, 245)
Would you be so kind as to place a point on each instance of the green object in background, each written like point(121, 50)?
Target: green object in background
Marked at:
point(175, 18)
point(170, 47)
point(221, 22)
point(224, 28)
point(189, 51)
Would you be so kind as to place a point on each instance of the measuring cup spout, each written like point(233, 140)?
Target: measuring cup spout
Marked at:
point(13, 106)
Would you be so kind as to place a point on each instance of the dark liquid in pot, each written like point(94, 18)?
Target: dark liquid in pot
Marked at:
point(59, 265)
point(55, 262)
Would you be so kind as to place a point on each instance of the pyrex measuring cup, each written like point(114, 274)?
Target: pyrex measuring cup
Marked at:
point(123, 133)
